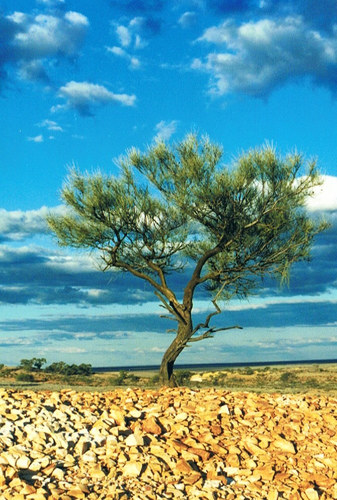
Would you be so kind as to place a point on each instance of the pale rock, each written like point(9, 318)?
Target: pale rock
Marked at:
point(89, 456)
point(180, 417)
point(132, 469)
point(134, 440)
point(23, 462)
point(311, 494)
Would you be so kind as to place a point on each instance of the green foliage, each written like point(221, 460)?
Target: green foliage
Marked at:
point(183, 376)
point(249, 216)
point(63, 368)
point(124, 378)
point(25, 377)
point(236, 224)
point(288, 378)
point(34, 364)
point(154, 380)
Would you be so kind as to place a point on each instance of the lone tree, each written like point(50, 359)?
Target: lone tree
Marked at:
point(233, 225)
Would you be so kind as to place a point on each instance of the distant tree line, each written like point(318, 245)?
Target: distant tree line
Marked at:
point(60, 367)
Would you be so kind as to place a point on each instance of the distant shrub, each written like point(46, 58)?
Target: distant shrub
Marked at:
point(154, 380)
point(25, 377)
point(183, 376)
point(248, 371)
point(311, 382)
point(124, 378)
point(218, 380)
point(7, 372)
point(63, 368)
point(288, 377)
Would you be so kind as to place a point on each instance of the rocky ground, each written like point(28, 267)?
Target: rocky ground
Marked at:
point(170, 443)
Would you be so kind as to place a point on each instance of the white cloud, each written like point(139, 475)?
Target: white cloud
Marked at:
point(33, 71)
point(48, 36)
point(129, 36)
point(119, 52)
point(76, 18)
point(50, 125)
point(187, 19)
point(69, 350)
point(18, 224)
point(82, 96)
point(258, 56)
point(37, 138)
point(60, 262)
point(164, 130)
point(124, 35)
point(29, 40)
point(325, 196)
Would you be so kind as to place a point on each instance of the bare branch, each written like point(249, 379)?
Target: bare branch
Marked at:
point(208, 319)
point(209, 332)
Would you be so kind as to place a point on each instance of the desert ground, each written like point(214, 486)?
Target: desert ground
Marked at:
point(200, 441)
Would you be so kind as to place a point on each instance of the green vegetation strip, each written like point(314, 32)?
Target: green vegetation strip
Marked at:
point(318, 379)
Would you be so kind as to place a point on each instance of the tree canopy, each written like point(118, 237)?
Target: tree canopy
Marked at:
point(178, 205)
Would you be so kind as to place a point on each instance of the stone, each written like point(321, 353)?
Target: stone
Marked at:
point(152, 426)
point(284, 445)
point(23, 462)
point(134, 440)
point(184, 467)
point(132, 469)
point(311, 494)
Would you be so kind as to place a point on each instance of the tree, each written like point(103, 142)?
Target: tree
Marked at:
point(34, 364)
point(232, 225)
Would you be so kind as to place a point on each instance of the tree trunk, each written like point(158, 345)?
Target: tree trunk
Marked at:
point(166, 376)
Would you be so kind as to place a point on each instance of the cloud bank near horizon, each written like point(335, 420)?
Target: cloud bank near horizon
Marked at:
point(40, 275)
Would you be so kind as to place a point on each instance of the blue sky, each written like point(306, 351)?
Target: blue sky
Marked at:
point(80, 83)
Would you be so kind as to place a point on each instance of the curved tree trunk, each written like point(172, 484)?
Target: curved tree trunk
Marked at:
point(166, 376)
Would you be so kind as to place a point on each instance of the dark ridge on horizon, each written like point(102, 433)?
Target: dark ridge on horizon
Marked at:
point(204, 366)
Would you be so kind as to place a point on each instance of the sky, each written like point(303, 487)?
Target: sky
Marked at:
point(81, 82)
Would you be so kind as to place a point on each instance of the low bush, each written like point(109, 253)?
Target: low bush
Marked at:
point(25, 377)
point(182, 376)
point(124, 378)
point(288, 378)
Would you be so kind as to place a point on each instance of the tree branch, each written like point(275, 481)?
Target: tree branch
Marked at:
point(171, 307)
point(209, 332)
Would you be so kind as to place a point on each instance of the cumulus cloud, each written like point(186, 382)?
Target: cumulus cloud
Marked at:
point(124, 35)
point(33, 71)
point(83, 96)
point(256, 57)
point(28, 41)
point(18, 224)
point(134, 34)
point(34, 275)
point(325, 196)
point(164, 130)
point(134, 62)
